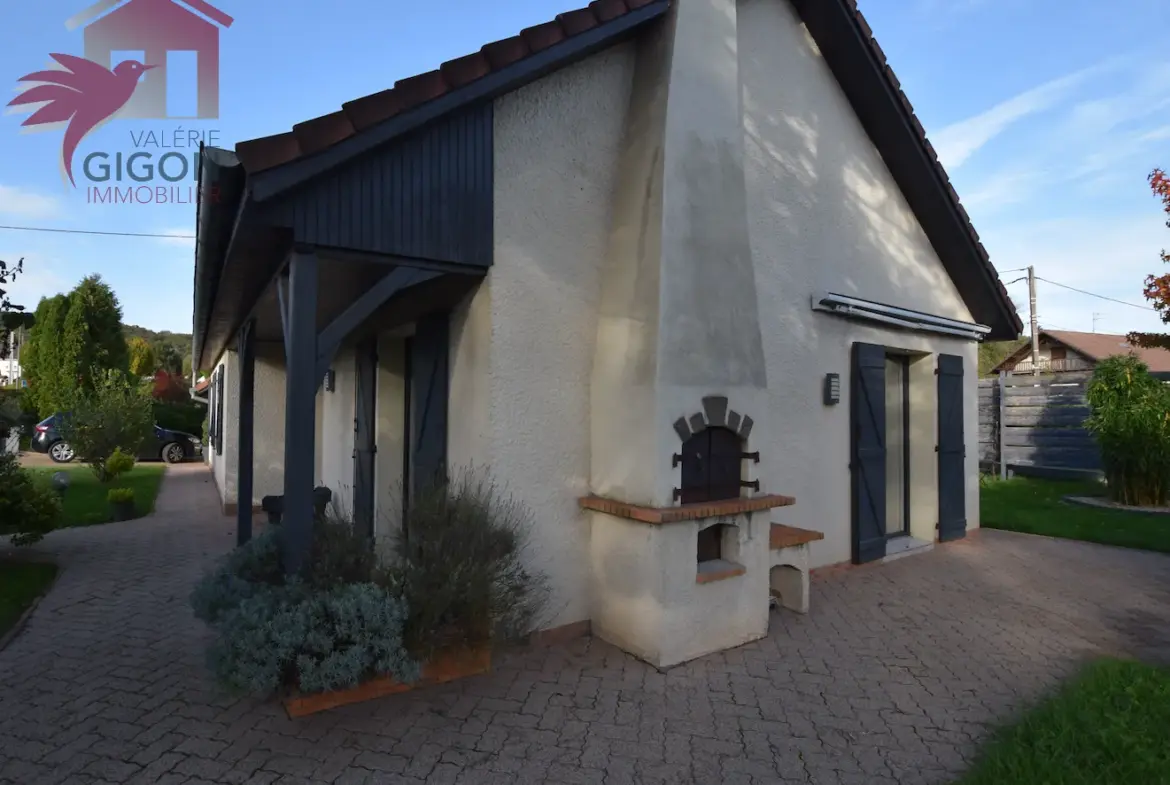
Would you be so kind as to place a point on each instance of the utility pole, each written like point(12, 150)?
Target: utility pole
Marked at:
point(1096, 316)
point(1032, 318)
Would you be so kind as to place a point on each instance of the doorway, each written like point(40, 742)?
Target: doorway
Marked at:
point(897, 445)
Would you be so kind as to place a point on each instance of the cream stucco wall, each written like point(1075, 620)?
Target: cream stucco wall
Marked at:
point(522, 344)
point(223, 464)
point(825, 214)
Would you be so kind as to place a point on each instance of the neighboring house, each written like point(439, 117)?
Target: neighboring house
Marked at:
point(661, 267)
point(1064, 351)
point(153, 30)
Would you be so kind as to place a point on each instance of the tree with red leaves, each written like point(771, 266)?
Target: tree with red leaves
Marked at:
point(1157, 289)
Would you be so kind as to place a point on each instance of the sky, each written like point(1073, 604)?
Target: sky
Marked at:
point(1047, 114)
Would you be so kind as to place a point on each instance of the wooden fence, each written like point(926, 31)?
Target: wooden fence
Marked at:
point(1036, 423)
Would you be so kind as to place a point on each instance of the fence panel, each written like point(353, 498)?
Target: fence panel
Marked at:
point(1041, 424)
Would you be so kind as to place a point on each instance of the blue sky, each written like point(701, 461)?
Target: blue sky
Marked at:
point(1048, 114)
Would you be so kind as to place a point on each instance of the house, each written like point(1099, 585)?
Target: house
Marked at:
point(685, 275)
point(153, 29)
point(1064, 351)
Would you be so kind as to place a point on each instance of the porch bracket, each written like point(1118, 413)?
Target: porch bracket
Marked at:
point(282, 300)
point(361, 309)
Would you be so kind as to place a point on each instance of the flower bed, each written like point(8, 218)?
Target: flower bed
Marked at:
point(443, 667)
point(349, 628)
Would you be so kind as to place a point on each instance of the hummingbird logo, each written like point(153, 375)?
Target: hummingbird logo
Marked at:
point(81, 93)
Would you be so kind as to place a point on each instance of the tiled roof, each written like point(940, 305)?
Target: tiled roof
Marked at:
point(320, 133)
point(317, 134)
point(875, 47)
point(1098, 346)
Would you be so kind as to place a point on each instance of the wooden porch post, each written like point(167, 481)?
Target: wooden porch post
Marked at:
point(245, 463)
point(300, 409)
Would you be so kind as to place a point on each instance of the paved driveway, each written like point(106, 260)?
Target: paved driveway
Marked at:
point(893, 677)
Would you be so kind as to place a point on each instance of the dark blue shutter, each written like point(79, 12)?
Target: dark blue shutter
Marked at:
point(952, 470)
point(429, 392)
point(219, 419)
point(868, 464)
point(363, 437)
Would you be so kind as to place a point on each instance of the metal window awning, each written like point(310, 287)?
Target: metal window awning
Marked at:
point(903, 318)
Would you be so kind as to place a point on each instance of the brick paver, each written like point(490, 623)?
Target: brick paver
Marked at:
point(893, 677)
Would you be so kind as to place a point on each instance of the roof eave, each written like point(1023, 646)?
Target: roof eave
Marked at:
point(222, 196)
point(843, 15)
point(270, 182)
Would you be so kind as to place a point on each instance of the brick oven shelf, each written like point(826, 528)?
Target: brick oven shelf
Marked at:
point(684, 512)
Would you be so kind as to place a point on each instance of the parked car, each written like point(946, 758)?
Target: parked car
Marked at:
point(165, 445)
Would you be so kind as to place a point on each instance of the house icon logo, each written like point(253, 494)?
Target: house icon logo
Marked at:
point(156, 29)
point(134, 51)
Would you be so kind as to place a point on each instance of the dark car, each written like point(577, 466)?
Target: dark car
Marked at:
point(164, 445)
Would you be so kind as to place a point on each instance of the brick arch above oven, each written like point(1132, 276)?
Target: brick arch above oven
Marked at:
point(715, 413)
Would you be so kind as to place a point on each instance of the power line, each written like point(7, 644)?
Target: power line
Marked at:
point(91, 231)
point(1094, 294)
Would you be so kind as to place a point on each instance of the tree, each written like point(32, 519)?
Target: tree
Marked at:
point(8, 274)
point(169, 358)
point(1157, 289)
point(72, 335)
point(92, 337)
point(143, 361)
point(115, 415)
point(43, 359)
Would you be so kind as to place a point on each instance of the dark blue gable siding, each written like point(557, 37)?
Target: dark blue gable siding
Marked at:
point(426, 195)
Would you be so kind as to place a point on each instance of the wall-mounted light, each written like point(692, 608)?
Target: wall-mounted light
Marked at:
point(330, 380)
point(832, 389)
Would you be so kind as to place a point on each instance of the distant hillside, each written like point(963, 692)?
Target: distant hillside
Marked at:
point(993, 353)
point(179, 342)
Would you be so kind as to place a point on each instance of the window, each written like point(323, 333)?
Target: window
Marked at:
point(1058, 353)
point(711, 466)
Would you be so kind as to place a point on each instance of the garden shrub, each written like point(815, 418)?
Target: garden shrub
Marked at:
point(239, 575)
point(28, 509)
point(118, 464)
point(460, 568)
point(313, 639)
point(457, 580)
point(120, 495)
point(1131, 422)
point(184, 416)
point(115, 415)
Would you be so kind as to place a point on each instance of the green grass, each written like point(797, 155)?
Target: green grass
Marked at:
point(1032, 506)
point(1107, 726)
point(85, 501)
point(20, 584)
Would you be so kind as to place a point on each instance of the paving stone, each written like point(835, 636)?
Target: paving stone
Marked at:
point(896, 675)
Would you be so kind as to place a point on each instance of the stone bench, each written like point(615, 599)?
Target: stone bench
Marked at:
point(788, 565)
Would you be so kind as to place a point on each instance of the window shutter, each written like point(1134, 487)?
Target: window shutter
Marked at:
point(868, 415)
point(952, 472)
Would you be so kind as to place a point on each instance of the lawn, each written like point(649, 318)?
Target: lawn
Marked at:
point(20, 584)
point(85, 501)
point(1108, 726)
point(1033, 506)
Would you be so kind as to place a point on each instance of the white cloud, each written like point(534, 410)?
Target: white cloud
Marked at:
point(959, 141)
point(38, 280)
point(1109, 257)
point(19, 202)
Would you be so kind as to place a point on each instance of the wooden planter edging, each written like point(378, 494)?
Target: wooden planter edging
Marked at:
point(445, 667)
